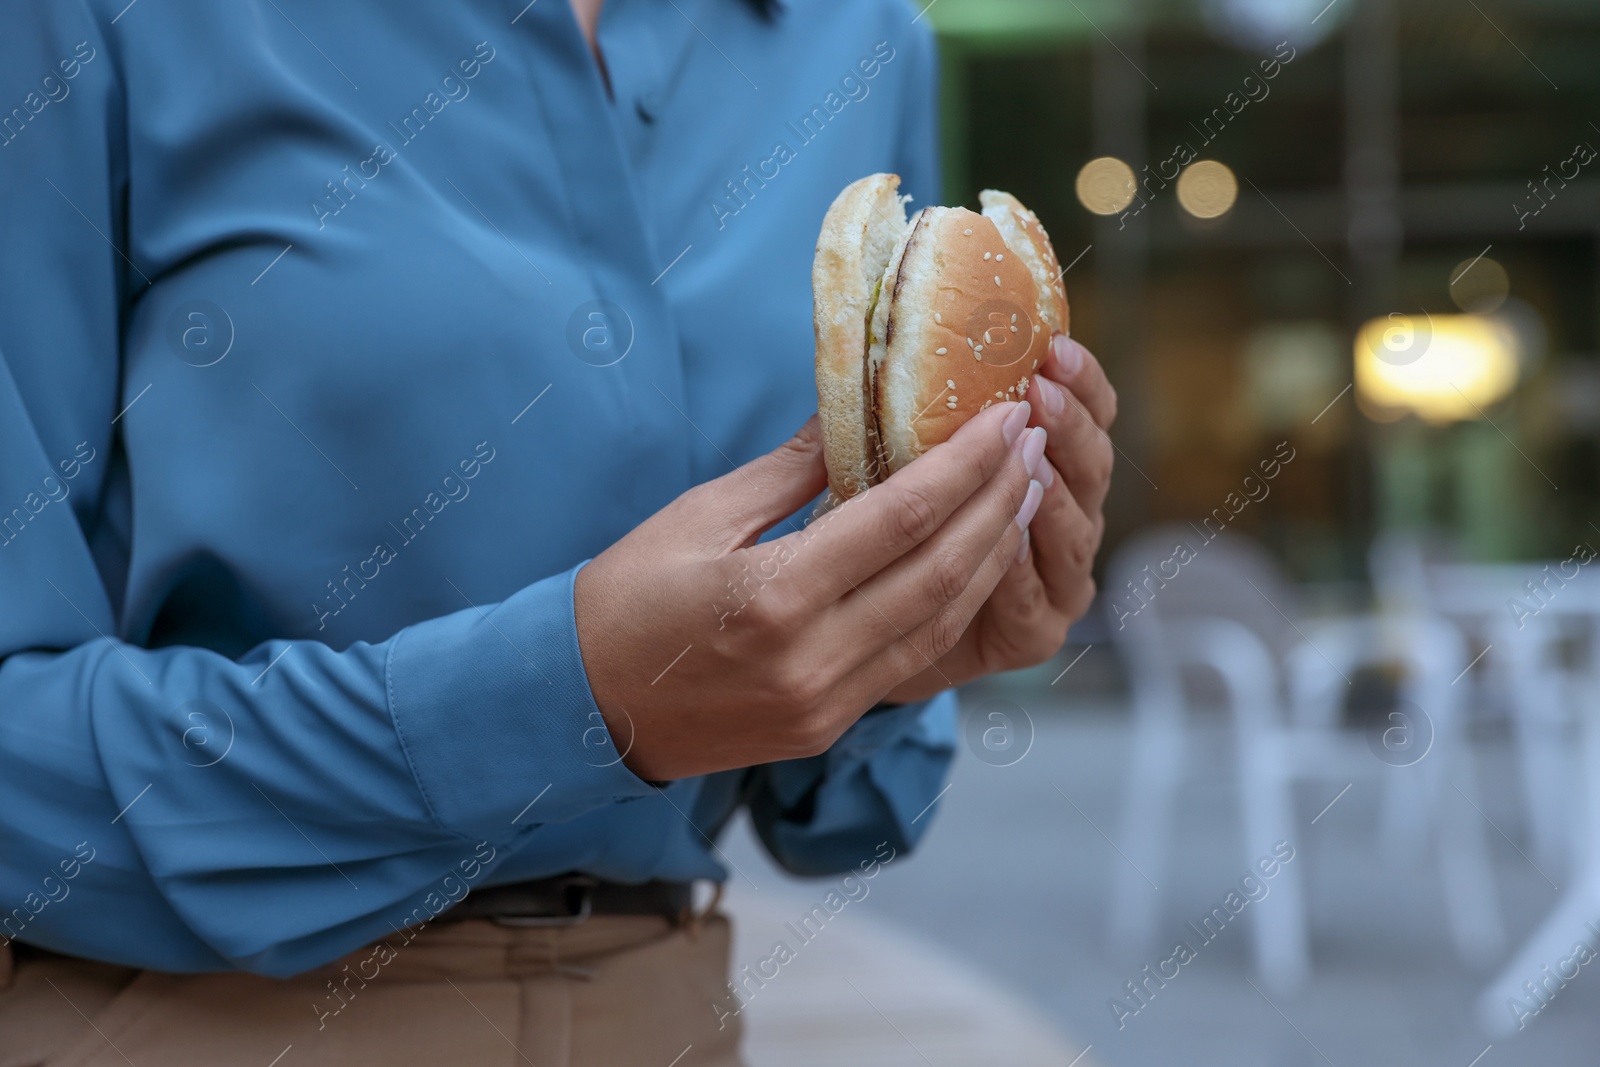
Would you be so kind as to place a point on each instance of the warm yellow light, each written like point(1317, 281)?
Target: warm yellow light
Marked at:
point(1444, 368)
point(1106, 185)
point(1207, 189)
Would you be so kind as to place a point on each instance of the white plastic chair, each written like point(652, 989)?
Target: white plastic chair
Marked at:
point(1554, 698)
point(1520, 673)
point(1230, 612)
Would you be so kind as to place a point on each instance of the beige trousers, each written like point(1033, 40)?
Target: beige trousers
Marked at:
point(609, 992)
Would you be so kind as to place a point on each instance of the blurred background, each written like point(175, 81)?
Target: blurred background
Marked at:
point(1318, 781)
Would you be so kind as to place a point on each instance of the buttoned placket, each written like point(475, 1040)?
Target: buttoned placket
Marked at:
point(609, 217)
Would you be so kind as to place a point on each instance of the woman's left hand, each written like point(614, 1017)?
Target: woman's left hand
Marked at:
point(1049, 586)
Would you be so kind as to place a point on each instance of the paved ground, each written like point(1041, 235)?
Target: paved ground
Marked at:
point(1012, 886)
point(864, 992)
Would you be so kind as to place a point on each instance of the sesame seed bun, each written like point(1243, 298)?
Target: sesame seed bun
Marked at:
point(958, 316)
point(1024, 235)
point(960, 332)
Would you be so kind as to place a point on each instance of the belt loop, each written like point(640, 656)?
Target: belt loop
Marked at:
point(692, 920)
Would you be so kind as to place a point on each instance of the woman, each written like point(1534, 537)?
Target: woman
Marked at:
point(337, 339)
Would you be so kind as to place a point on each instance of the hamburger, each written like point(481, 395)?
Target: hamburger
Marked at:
point(921, 323)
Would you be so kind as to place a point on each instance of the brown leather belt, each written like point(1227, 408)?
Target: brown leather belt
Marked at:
point(569, 899)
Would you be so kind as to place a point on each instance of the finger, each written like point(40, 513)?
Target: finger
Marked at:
point(923, 583)
point(1073, 366)
point(737, 508)
point(1024, 625)
point(924, 651)
point(1063, 542)
point(847, 546)
point(1079, 450)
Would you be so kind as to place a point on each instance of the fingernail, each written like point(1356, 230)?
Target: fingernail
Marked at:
point(1030, 504)
point(1069, 354)
point(1022, 549)
point(1047, 477)
point(1012, 427)
point(1033, 449)
point(1055, 400)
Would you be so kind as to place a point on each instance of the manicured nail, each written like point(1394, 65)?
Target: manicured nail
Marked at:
point(1012, 427)
point(1030, 505)
point(1055, 400)
point(1022, 549)
point(1047, 476)
point(1069, 354)
point(1033, 449)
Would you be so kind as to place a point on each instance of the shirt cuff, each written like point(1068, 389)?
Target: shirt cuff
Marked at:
point(493, 708)
point(929, 724)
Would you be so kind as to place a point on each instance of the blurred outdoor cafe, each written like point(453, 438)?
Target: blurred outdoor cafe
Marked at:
point(1318, 781)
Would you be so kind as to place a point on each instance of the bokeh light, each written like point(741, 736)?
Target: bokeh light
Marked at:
point(1106, 185)
point(1443, 368)
point(1479, 286)
point(1207, 189)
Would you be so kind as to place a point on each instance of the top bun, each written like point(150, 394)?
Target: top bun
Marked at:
point(922, 325)
point(1026, 237)
point(963, 331)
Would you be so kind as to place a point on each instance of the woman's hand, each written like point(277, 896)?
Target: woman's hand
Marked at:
point(707, 651)
point(1025, 622)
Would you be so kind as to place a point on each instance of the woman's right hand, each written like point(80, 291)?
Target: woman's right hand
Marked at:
point(706, 651)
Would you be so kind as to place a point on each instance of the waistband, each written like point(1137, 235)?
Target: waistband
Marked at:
point(570, 899)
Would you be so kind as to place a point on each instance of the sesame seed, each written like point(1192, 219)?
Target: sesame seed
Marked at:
point(1036, 327)
point(1002, 396)
point(997, 279)
point(1013, 329)
point(977, 356)
point(967, 232)
point(986, 255)
point(949, 383)
point(999, 257)
point(938, 318)
point(1013, 316)
point(940, 351)
point(1009, 389)
point(969, 342)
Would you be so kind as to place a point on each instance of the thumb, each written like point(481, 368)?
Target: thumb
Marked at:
point(749, 500)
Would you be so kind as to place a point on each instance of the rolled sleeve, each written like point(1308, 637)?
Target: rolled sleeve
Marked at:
point(877, 783)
